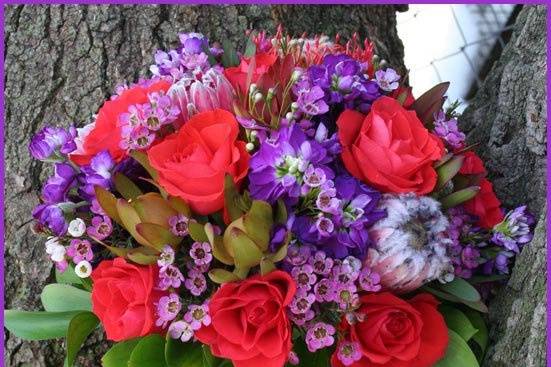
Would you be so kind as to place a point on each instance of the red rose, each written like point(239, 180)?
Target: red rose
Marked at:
point(192, 163)
point(409, 99)
point(389, 148)
point(106, 132)
point(485, 205)
point(397, 332)
point(237, 75)
point(472, 165)
point(249, 321)
point(123, 298)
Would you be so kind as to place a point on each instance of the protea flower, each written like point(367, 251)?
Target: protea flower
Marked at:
point(410, 244)
point(202, 92)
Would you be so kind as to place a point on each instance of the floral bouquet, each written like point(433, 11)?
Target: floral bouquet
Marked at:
point(288, 203)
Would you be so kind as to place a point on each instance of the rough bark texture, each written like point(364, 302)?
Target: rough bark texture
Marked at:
point(63, 61)
point(509, 117)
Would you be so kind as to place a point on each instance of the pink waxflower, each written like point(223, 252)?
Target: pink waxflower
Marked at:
point(200, 252)
point(170, 277)
point(80, 250)
point(349, 352)
point(320, 335)
point(167, 309)
point(197, 316)
point(202, 92)
point(196, 282)
point(101, 227)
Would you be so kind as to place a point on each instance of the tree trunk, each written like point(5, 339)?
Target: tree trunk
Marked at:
point(509, 117)
point(62, 62)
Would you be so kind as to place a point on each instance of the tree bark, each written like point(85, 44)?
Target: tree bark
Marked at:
point(508, 117)
point(62, 62)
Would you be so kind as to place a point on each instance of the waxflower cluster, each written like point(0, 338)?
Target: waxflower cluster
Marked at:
point(268, 204)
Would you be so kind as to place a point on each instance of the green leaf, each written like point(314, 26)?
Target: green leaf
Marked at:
point(458, 353)
point(179, 354)
point(481, 337)
point(38, 325)
point(221, 276)
point(149, 352)
point(229, 57)
point(479, 306)
point(80, 327)
point(257, 222)
point(179, 205)
point(157, 235)
point(458, 322)
point(478, 279)
point(250, 48)
point(321, 358)
point(280, 216)
point(142, 158)
point(125, 186)
point(130, 218)
point(197, 232)
point(108, 203)
point(231, 199)
point(64, 297)
point(462, 289)
point(245, 252)
point(459, 197)
point(448, 170)
point(119, 354)
point(68, 276)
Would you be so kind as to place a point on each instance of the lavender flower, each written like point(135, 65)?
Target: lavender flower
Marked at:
point(180, 330)
point(53, 143)
point(80, 250)
point(170, 277)
point(387, 79)
point(448, 131)
point(196, 282)
point(101, 227)
point(320, 335)
point(179, 225)
point(349, 352)
point(200, 252)
point(197, 316)
point(168, 308)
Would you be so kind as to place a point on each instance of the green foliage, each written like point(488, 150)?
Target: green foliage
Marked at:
point(119, 354)
point(458, 353)
point(38, 325)
point(148, 352)
point(64, 297)
point(80, 327)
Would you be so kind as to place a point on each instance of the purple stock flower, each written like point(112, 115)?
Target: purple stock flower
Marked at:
point(101, 227)
point(56, 188)
point(168, 308)
point(97, 173)
point(320, 335)
point(310, 99)
point(448, 131)
point(278, 167)
point(52, 217)
point(80, 250)
point(343, 81)
point(51, 143)
point(515, 230)
point(387, 79)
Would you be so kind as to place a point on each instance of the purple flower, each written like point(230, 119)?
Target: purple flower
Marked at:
point(52, 143)
point(304, 276)
point(80, 250)
point(168, 308)
point(346, 295)
point(349, 352)
point(302, 301)
point(293, 359)
point(57, 187)
point(302, 319)
point(324, 290)
point(180, 330)
point(196, 282)
point(515, 230)
point(278, 167)
point(197, 316)
point(170, 277)
point(52, 217)
point(200, 252)
point(325, 226)
point(314, 177)
point(97, 173)
point(344, 274)
point(369, 280)
point(166, 257)
point(298, 254)
point(448, 131)
point(319, 335)
point(327, 201)
point(321, 263)
point(179, 225)
point(101, 227)
point(310, 100)
point(387, 79)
